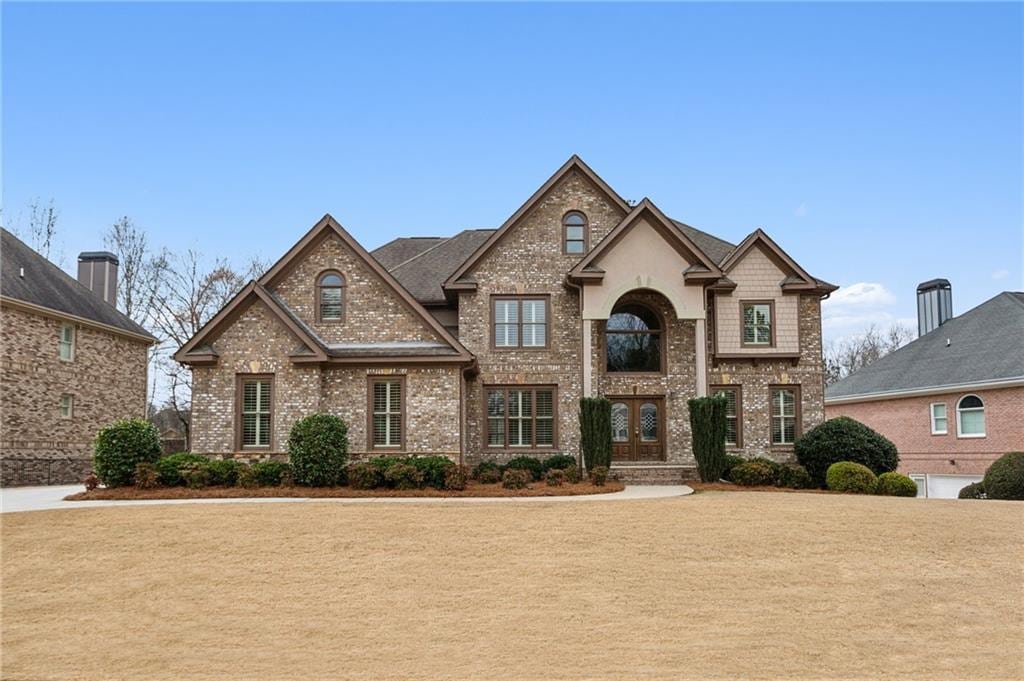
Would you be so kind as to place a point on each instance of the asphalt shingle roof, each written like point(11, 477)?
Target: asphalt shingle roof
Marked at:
point(49, 286)
point(394, 253)
point(423, 274)
point(983, 344)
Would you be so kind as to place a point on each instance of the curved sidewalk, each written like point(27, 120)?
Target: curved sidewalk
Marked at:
point(17, 499)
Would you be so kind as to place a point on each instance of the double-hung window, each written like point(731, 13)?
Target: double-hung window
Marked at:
point(733, 413)
point(67, 406)
point(66, 344)
point(387, 406)
point(970, 417)
point(940, 423)
point(520, 322)
point(758, 319)
point(519, 416)
point(256, 410)
point(785, 414)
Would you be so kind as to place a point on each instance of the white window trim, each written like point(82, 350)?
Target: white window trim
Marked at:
point(70, 343)
point(923, 479)
point(931, 409)
point(959, 429)
point(71, 406)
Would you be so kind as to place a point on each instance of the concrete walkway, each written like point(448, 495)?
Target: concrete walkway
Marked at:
point(15, 499)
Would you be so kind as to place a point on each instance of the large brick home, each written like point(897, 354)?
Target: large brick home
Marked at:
point(70, 363)
point(953, 400)
point(480, 345)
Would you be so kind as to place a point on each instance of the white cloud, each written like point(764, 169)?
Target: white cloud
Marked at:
point(852, 309)
point(801, 210)
point(1000, 274)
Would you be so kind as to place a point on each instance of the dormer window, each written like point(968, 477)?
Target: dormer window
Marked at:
point(330, 295)
point(574, 232)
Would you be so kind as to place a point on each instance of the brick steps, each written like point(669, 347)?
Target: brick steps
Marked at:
point(654, 473)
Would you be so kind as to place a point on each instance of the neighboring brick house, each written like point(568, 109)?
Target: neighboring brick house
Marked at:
point(480, 345)
point(70, 363)
point(953, 400)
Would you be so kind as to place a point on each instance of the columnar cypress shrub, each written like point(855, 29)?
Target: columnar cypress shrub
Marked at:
point(707, 426)
point(596, 431)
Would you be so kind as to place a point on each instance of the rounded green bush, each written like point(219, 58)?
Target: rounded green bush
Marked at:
point(482, 468)
point(1004, 479)
point(559, 461)
point(403, 476)
point(599, 475)
point(527, 463)
point(731, 461)
point(223, 472)
point(270, 473)
point(317, 449)
point(489, 476)
point(455, 478)
point(169, 467)
point(850, 477)
point(793, 476)
point(753, 474)
point(555, 477)
point(843, 439)
point(433, 468)
point(975, 490)
point(895, 485)
point(120, 447)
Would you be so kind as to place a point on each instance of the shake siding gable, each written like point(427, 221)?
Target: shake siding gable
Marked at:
point(758, 278)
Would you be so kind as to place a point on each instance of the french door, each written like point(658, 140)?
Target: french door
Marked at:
point(638, 428)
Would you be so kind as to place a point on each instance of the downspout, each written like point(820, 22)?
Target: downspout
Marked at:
point(472, 367)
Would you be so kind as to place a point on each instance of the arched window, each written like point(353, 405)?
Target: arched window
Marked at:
point(574, 233)
point(970, 417)
point(330, 297)
point(633, 339)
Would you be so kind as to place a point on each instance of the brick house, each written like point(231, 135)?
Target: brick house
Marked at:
point(480, 345)
point(953, 400)
point(70, 363)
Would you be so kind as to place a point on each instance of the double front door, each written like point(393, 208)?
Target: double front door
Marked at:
point(638, 428)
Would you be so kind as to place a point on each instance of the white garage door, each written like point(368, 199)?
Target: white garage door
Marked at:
point(942, 486)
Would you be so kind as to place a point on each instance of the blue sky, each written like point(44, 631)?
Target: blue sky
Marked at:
point(880, 144)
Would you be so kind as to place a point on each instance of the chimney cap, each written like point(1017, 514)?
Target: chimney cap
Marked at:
point(103, 256)
point(933, 283)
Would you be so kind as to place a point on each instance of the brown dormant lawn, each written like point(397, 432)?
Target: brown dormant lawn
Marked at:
point(722, 585)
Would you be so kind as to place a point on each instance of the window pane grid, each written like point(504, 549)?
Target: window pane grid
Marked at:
point(387, 414)
point(520, 323)
point(731, 415)
point(256, 414)
point(520, 417)
point(783, 416)
point(757, 324)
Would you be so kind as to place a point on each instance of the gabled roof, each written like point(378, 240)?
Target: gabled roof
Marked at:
point(200, 350)
point(799, 280)
point(424, 274)
point(44, 285)
point(704, 268)
point(395, 252)
point(313, 348)
point(575, 163)
point(982, 346)
point(716, 249)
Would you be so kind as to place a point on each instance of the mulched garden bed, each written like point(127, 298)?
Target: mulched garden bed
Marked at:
point(473, 489)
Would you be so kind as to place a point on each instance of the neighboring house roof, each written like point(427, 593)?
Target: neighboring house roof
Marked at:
point(982, 346)
point(424, 273)
point(47, 286)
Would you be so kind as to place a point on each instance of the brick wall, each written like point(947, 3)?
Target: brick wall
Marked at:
point(107, 379)
point(756, 379)
point(529, 260)
point(907, 422)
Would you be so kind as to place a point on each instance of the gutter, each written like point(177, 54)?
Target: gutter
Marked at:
point(84, 321)
point(1011, 382)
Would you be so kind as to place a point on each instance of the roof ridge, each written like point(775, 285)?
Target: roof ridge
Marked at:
point(75, 283)
point(440, 243)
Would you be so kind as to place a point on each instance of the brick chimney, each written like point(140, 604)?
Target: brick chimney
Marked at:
point(97, 270)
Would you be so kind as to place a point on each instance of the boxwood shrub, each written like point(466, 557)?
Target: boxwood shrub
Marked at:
point(433, 468)
point(120, 447)
point(1004, 479)
point(403, 476)
point(223, 472)
point(753, 474)
point(731, 461)
point(169, 467)
point(599, 475)
point(271, 473)
point(365, 476)
point(145, 475)
point(851, 477)
point(527, 463)
point(516, 478)
point(843, 439)
point(975, 490)
point(481, 468)
point(489, 476)
point(317, 449)
point(555, 477)
point(895, 485)
point(793, 476)
point(559, 462)
point(455, 478)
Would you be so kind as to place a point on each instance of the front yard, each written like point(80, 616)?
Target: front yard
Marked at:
point(737, 585)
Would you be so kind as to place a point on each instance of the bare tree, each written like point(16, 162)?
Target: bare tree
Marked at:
point(846, 357)
point(140, 272)
point(40, 232)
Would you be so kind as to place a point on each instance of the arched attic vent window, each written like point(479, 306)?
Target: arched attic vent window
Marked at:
point(330, 296)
